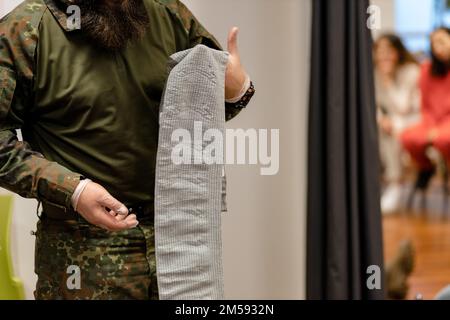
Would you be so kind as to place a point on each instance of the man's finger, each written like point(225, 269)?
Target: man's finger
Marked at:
point(232, 41)
point(120, 217)
point(131, 220)
point(112, 212)
point(108, 201)
point(108, 222)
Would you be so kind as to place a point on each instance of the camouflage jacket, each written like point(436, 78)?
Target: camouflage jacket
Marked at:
point(69, 134)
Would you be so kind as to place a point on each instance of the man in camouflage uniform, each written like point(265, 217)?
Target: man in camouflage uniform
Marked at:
point(87, 103)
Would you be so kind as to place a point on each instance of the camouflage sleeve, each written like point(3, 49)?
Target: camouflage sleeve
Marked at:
point(197, 34)
point(22, 170)
point(233, 109)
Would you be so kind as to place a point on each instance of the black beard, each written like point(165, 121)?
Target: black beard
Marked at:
point(112, 24)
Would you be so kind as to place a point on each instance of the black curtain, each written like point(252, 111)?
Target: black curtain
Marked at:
point(344, 221)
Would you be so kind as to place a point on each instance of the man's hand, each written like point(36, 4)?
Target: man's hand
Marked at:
point(100, 208)
point(235, 75)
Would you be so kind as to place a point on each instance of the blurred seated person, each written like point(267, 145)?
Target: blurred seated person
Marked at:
point(434, 127)
point(398, 103)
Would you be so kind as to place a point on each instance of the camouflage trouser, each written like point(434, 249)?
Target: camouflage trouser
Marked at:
point(118, 265)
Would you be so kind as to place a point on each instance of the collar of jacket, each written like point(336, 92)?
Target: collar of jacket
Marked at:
point(59, 10)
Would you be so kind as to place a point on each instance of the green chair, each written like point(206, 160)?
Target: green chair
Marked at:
point(11, 288)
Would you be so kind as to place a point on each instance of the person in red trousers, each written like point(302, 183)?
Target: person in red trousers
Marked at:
point(434, 127)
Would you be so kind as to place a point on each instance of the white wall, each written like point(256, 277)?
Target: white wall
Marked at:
point(8, 5)
point(264, 231)
point(387, 16)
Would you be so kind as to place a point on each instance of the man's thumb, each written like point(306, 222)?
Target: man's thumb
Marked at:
point(110, 202)
point(232, 41)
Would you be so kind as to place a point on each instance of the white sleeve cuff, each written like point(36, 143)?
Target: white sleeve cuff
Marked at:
point(242, 92)
point(78, 190)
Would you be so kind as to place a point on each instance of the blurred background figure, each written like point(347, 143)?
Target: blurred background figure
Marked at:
point(396, 80)
point(434, 127)
point(444, 294)
point(424, 216)
point(398, 270)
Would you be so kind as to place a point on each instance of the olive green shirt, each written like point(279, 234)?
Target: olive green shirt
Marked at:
point(84, 111)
